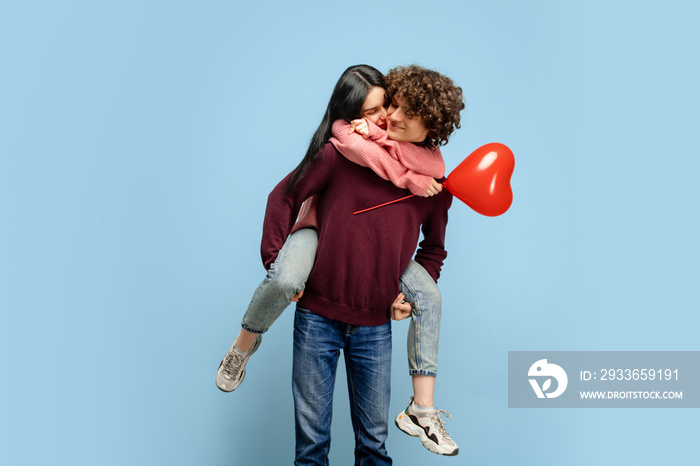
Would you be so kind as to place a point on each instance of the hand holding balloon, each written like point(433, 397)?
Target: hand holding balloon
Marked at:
point(482, 181)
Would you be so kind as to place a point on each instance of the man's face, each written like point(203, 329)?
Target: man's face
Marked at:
point(402, 128)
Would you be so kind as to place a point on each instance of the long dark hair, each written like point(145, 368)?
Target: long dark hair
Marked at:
point(346, 103)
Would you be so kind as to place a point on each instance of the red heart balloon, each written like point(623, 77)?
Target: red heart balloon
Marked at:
point(482, 180)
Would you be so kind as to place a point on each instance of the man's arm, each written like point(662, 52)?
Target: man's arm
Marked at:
point(431, 251)
point(282, 209)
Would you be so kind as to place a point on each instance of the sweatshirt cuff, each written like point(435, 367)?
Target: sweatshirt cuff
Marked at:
point(418, 184)
point(375, 132)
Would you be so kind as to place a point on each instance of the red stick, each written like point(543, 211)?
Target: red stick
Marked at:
point(382, 205)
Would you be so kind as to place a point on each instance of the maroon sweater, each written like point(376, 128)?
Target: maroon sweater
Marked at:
point(360, 258)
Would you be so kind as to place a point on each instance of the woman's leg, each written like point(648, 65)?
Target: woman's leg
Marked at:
point(317, 345)
point(423, 294)
point(368, 365)
point(286, 277)
point(421, 419)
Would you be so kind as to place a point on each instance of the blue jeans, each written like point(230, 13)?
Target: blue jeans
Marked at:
point(367, 351)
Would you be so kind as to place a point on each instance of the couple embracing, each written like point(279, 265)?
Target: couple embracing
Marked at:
point(351, 274)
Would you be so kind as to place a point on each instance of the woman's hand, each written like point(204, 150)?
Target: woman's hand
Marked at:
point(399, 309)
point(433, 189)
point(297, 297)
point(360, 126)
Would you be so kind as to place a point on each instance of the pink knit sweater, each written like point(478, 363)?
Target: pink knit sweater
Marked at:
point(405, 164)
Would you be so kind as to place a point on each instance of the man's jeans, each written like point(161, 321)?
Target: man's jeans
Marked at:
point(367, 351)
point(288, 274)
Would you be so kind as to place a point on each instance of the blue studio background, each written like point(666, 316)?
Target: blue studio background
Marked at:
point(140, 140)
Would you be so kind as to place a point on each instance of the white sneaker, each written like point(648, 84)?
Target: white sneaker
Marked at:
point(231, 371)
point(429, 427)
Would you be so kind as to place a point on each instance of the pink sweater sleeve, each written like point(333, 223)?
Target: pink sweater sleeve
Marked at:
point(405, 164)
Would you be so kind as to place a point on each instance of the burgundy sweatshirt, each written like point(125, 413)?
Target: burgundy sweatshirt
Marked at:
point(360, 258)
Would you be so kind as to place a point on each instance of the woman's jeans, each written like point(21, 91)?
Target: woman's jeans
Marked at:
point(291, 269)
point(367, 351)
point(422, 292)
point(285, 278)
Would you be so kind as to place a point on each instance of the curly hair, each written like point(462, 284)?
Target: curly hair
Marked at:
point(430, 96)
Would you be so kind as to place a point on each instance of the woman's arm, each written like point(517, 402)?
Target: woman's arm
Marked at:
point(406, 165)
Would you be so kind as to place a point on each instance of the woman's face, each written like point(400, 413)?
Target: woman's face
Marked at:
point(402, 128)
point(373, 108)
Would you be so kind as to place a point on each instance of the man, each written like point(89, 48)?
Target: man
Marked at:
point(358, 264)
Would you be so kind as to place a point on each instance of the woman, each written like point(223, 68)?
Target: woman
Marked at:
point(359, 92)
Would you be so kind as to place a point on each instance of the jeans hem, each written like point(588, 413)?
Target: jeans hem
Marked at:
point(422, 372)
point(253, 330)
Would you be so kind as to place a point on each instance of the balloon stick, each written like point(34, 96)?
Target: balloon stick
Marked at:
point(482, 181)
point(382, 205)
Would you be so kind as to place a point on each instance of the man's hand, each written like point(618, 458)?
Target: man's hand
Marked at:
point(399, 309)
point(297, 297)
point(360, 126)
point(433, 189)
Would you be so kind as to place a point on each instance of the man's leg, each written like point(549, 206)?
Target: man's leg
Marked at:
point(368, 365)
point(317, 345)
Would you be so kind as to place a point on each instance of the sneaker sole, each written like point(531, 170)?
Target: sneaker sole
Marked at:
point(413, 430)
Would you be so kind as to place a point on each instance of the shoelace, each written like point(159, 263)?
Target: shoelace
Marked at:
point(439, 423)
point(229, 359)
